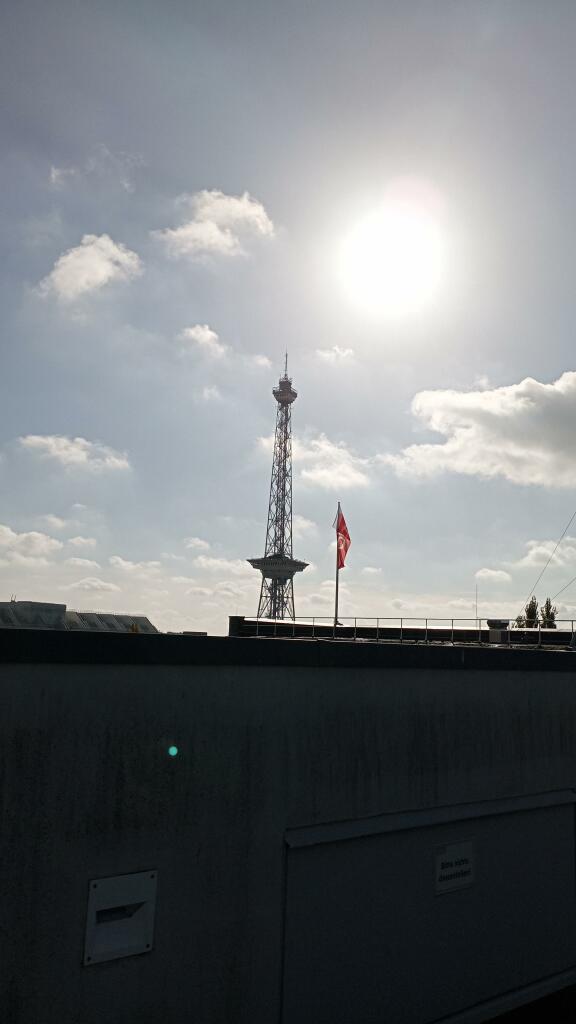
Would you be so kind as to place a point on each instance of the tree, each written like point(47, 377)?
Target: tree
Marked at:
point(548, 614)
point(530, 618)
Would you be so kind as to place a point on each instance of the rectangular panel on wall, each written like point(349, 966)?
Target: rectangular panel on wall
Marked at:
point(120, 916)
point(410, 918)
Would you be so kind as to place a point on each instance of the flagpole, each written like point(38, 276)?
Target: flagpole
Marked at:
point(337, 573)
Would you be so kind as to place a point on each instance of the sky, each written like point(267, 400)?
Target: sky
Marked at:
point(180, 185)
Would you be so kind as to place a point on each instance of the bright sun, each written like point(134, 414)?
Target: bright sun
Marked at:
point(392, 263)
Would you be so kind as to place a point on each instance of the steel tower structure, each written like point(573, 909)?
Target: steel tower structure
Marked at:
point(278, 566)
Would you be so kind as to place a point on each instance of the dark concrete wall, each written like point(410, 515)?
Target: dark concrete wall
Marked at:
point(87, 791)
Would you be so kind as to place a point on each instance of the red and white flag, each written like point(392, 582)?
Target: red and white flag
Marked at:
point(343, 541)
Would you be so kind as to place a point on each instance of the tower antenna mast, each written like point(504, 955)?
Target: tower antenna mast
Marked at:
point(278, 567)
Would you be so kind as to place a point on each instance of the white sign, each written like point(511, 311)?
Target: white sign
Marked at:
point(455, 865)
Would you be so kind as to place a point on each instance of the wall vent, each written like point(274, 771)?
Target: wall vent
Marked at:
point(120, 916)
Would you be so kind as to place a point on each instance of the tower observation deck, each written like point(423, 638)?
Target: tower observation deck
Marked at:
point(278, 566)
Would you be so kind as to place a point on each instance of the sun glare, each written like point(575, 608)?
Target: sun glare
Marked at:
point(392, 262)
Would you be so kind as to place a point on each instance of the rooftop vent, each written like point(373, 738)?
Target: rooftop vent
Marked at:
point(498, 631)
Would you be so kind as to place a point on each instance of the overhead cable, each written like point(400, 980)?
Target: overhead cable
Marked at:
point(562, 589)
point(557, 545)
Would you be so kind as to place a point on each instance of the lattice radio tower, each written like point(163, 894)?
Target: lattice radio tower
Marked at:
point(278, 566)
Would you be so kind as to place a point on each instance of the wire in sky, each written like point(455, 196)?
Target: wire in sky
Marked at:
point(557, 545)
point(562, 589)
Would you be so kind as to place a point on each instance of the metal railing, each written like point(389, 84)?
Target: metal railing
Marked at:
point(415, 629)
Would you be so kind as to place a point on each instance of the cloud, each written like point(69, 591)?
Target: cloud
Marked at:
point(302, 527)
point(196, 544)
point(93, 583)
point(370, 570)
point(56, 522)
point(234, 566)
point(259, 360)
point(76, 452)
point(323, 597)
point(202, 336)
point(102, 163)
point(523, 432)
point(326, 464)
point(460, 604)
point(82, 542)
point(493, 575)
point(134, 568)
point(229, 588)
point(27, 549)
point(219, 225)
point(211, 393)
point(329, 465)
point(32, 543)
point(87, 267)
point(82, 563)
point(539, 551)
point(335, 354)
point(60, 175)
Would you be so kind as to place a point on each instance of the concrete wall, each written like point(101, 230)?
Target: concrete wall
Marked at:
point(272, 736)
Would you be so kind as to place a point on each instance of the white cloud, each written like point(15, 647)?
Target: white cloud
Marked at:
point(259, 360)
point(154, 593)
point(56, 522)
point(134, 568)
point(101, 163)
point(539, 551)
point(322, 598)
point(302, 527)
point(311, 602)
point(493, 575)
point(196, 544)
point(327, 464)
point(60, 175)
point(229, 588)
point(234, 566)
point(219, 225)
point(523, 432)
point(82, 542)
point(332, 466)
point(87, 267)
point(335, 354)
point(93, 583)
point(27, 549)
point(76, 452)
point(83, 563)
point(370, 570)
point(32, 543)
point(211, 393)
point(202, 336)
